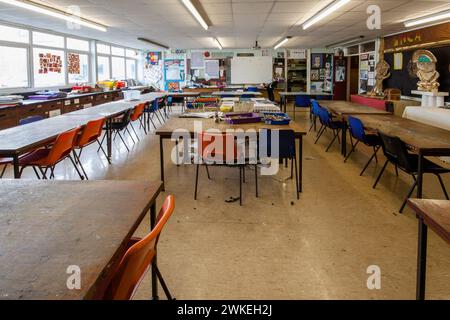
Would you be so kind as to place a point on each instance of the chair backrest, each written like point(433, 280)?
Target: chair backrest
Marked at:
point(126, 117)
point(91, 132)
point(30, 120)
point(169, 101)
point(63, 146)
point(252, 89)
point(214, 146)
point(138, 259)
point(138, 112)
point(356, 128)
point(324, 116)
point(302, 101)
point(286, 144)
point(315, 108)
point(154, 106)
point(395, 151)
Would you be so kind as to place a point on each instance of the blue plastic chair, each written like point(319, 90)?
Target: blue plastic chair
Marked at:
point(286, 150)
point(31, 119)
point(247, 96)
point(315, 107)
point(357, 132)
point(302, 102)
point(326, 120)
point(252, 89)
point(152, 111)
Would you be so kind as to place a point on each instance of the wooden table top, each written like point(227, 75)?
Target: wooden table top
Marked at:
point(419, 137)
point(45, 227)
point(18, 139)
point(347, 108)
point(436, 215)
point(183, 94)
point(175, 124)
point(236, 93)
point(301, 93)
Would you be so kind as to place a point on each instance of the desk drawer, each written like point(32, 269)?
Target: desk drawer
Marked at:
point(8, 118)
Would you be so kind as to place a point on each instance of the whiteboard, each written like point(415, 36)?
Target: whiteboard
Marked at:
point(251, 70)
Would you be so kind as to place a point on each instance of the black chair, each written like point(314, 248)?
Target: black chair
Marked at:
point(358, 133)
point(120, 126)
point(397, 153)
point(327, 121)
point(286, 150)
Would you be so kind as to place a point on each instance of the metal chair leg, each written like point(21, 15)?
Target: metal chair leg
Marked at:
point(129, 132)
point(3, 171)
point(333, 140)
point(368, 163)
point(101, 144)
point(44, 174)
point(78, 161)
point(409, 195)
point(256, 180)
point(196, 182)
point(351, 151)
point(132, 127)
point(162, 282)
point(381, 174)
point(121, 138)
point(103, 150)
point(443, 186)
point(240, 185)
point(36, 172)
point(207, 172)
point(320, 133)
point(297, 183)
point(76, 167)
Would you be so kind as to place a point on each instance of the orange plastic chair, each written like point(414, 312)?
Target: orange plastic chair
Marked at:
point(138, 259)
point(90, 134)
point(137, 114)
point(47, 159)
point(220, 155)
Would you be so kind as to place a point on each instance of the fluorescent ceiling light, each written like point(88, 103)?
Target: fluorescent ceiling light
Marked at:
point(195, 13)
point(154, 43)
point(217, 43)
point(429, 18)
point(282, 43)
point(29, 5)
point(345, 42)
point(324, 13)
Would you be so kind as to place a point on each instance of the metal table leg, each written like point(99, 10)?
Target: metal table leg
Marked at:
point(109, 138)
point(161, 159)
point(300, 164)
point(421, 260)
point(344, 138)
point(420, 176)
point(16, 167)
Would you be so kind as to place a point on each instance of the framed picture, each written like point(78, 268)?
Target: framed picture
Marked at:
point(398, 61)
point(315, 75)
point(317, 60)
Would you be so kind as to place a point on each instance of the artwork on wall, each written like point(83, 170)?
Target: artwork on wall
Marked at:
point(315, 75)
point(340, 73)
point(49, 63)
point(398, 61)
point(74, 63)
point(317, 60)
point(153, 71)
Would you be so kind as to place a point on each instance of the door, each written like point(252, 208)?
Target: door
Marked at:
point(354, 76)
point(340, 78)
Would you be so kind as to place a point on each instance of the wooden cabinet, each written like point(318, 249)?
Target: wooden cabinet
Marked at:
point(8, 118)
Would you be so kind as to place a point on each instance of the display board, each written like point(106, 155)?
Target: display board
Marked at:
point(251, 70)
point(405, 79)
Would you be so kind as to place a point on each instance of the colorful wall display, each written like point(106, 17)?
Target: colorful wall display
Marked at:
point(321, 72)
point(153, 69)
point(74, 63)
point(174, 72)
point(50, 63)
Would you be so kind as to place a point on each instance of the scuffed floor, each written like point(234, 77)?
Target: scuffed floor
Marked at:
point(276, 247)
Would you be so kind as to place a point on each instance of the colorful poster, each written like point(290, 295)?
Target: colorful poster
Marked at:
point(174, 70)
point(74, 63)
point(49, 63)
point(152, 58)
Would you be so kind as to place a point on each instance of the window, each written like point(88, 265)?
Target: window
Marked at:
point(132, 54)
point(78, 67)
point(103, 49)
point(14, 34)
point(103, 68)
point(14, 67)
point(118, 51)
point(48, 40)
point(118, 68)
point(77, 44)
point(49, 67)
point(131, 69)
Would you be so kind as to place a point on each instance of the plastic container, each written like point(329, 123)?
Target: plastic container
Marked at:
point(131, 95)
point(276, 118)
point(242, 118)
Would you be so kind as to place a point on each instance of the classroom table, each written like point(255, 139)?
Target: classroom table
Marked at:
point(421, 139)
point(343, 109)
point(236, 93)
point(17, 141)
point(433, 214)
point(285, 95)
point(47, 226)
point(187, 124)
point(112, 110)
point(185, 96)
